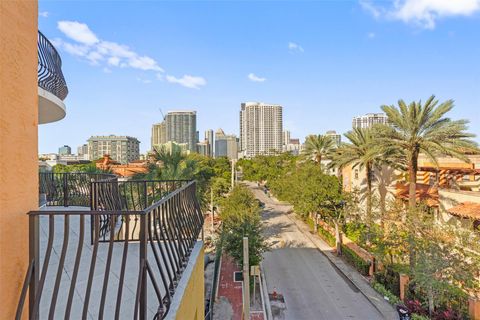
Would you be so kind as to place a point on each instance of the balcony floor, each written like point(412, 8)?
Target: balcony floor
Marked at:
point(131, 274)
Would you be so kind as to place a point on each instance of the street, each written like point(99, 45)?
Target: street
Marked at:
point(312, 287)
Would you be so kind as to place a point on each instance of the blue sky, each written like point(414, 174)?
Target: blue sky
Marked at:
point(324, 61)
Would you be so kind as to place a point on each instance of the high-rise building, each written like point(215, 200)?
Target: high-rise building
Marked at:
point(82, 150)
point(286, 137)
point(369, 120)
point(210, 141)
point(335, 136)
point(203, 148)
point(226, 145)
point(181, 127)
point(123, 149)
point(64, 150)
point(159, 134)
point(261, 127)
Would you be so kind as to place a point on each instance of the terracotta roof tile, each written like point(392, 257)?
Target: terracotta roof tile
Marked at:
point(466, 210)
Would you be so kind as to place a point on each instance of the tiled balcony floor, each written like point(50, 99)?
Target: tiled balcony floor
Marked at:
point(131, 274)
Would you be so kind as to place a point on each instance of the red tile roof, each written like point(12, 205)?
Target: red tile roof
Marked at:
point(466, 210)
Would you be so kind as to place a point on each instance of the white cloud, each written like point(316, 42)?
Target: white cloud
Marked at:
point(295, 47)
point(77, 31)
point(145, 81)
point(253, 77)
point(87, 45)
point(187, 81)
point(368, 6)
point(113, 61)
point(371, 35)
point(144, 63)
point(43, 14)
point(423, 13)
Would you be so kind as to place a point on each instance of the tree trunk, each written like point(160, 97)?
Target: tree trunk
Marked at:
point(412, 195)
point(412, 179)
point(338, 238)
point(431, 305)
point(369, 194)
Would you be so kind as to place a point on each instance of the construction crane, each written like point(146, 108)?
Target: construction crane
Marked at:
point(163, 116)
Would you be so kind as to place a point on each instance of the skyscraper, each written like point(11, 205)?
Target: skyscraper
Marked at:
point(261, 127)
point(335, 136)
point(369, 120)
point(226, 145)
point(159, 134)
point(210, 141)
point(286, 137)
point(181, 127)
point(64, 150)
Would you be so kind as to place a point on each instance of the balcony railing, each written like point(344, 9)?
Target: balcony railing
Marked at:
point(126, 265)
point(50, 76)
point(69, 189)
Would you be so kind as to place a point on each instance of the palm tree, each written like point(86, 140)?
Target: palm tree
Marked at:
point(423, 128)
point(318, 147)
point(361, 152)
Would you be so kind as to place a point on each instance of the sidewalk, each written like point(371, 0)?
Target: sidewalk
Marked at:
point(355, 278)
point(230, 294)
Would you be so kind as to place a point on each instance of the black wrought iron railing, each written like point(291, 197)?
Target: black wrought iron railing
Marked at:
point(50, 76)
point(121, 278)
point(69, 189)
point(128, 196)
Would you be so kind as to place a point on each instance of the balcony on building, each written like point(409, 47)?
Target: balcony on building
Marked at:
point(105, 248)
point(52, 88)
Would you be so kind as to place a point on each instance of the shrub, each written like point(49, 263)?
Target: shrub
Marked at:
point(419, 317)
point(416, 306)
point(361, 265)
point(355, 231)
point(393, 299)
point(390, 279)
point(324, 234)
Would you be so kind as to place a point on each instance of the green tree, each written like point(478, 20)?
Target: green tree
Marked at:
point(240, 216)
point(318, 147)
point(445, 263)
point(363, 152)
point(424, 128)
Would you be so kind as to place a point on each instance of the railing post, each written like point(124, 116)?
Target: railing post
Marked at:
point(33, 256)
point(65, 191)
point(145, 193)
point(143, 259)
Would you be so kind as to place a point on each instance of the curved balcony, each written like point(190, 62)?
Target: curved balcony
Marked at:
point(52, 88)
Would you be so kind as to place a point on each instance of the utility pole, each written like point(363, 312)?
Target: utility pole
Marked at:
point(211, 207)
point(233, 173)
point(246, 281)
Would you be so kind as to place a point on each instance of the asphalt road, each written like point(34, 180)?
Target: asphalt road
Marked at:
point(312, 287)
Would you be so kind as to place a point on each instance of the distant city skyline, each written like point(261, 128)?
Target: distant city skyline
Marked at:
point(325, 63)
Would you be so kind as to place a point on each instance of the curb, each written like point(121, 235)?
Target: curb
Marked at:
point(266, 296)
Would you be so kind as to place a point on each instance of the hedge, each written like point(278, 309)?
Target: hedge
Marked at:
point(324, 234)
point(392, 298)
point(390, 279)
point(361, 265)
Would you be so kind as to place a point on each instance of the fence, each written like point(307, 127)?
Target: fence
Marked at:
point(67, 275)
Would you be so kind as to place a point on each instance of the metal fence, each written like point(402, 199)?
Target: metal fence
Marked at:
point(50, 76)
point(100, 276)
point(69, 189)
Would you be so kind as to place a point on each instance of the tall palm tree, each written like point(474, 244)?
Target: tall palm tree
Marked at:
point(318, 147)
point(423, 128)
point(363, 152)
